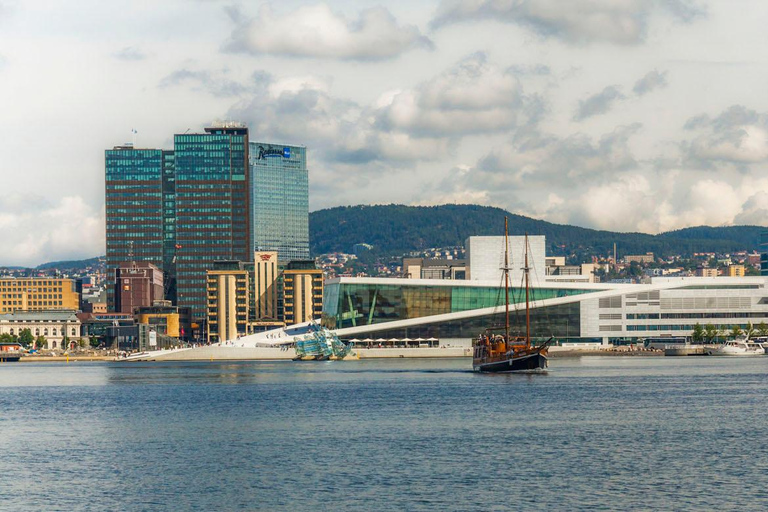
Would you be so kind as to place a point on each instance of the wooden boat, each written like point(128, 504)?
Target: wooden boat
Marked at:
point(494, 353)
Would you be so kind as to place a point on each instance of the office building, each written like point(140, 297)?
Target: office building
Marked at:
point(213, 221)
point(486, 257)
point(424, 268)
point(302, 292)
point(166, 319)
point(137, 284)
point(280, 199)
point(134, 191)
point(38, 294)
point(180, 210)
point(736, 271)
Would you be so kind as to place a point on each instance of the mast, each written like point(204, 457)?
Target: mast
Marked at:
point(506, 281)
point(527, 307)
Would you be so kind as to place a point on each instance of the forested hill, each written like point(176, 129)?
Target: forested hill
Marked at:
point(398, 229)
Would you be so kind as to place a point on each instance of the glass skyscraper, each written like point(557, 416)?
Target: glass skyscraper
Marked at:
point(134, 188)
point(280, 200)
point(212, 207)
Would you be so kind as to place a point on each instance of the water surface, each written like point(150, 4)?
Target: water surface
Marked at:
point(595, 433)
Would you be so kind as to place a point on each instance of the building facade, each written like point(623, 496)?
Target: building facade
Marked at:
point(229, 299)
point(266, 285)
point(280, 199)
point(137, 284)
point(302, 292)
point(213, 222)
point(38, 294)
point(59, 328)
point(134, 192)
point(486, 257)
point(589, 312)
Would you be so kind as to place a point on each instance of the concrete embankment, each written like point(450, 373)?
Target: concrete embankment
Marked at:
point(64, 359)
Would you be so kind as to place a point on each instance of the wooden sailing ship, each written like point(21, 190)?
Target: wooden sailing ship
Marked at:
point(495, 353)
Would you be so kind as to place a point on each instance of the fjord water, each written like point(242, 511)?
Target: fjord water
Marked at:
point(595, 433)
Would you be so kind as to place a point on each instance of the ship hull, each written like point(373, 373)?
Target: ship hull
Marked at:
point(530, 362)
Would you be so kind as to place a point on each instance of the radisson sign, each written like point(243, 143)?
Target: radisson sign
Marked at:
point(272, 152)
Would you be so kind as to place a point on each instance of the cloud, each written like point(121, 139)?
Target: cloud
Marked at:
point(613, 21)
point(652, 80)
point(213, 83)
point(406, 125)
point(471, 97)
point(317, 31)
point(130, 53)
point(599, 103)
point(65, 229)
point(737, 136)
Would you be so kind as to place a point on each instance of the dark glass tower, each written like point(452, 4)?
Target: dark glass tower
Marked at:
point(134, 198)
point(212, 207)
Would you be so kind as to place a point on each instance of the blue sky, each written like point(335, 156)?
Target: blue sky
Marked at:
point(630, 115)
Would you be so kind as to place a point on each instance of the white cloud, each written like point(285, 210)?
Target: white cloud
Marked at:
point(36, 231)
point(737, 136)
point(318, 31)
point(614, 21)
point(473, 96)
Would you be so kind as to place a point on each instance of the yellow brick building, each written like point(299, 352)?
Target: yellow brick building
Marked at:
point(302, 292)
point(37, 294)
point(228, 296)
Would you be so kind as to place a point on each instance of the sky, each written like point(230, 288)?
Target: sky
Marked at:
point(625, 115)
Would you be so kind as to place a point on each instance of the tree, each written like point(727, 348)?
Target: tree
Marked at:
point(41, 342)
point(736, 331)
point(8, 338)
point(25, 337)
point(750, 330)
point(761, 329)
point(94, 341)
point(711, 333)
point(698, 333)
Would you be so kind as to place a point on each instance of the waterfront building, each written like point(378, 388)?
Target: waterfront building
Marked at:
point(137, 284)
point(706, 272)
point(134, 191)
point(280, 200)
point(164, 318)
point(457, 311)
point(302, 292)
point(266, 288)
point(229, 299)
point(38, 294)
point(59, 328)
point(213, 222)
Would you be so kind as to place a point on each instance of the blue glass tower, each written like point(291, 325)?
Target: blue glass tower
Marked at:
point(280, 200)
point(134, 214)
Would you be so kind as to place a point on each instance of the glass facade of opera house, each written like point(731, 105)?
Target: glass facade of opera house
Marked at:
point(387, 308)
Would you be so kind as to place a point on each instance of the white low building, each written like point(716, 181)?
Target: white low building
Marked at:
point(54, 326)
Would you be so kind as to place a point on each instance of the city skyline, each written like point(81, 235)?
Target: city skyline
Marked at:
point(631, 116)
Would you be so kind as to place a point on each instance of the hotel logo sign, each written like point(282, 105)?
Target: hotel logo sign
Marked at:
point(272, 152)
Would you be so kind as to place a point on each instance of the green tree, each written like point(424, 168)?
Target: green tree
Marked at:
point(8, 338)
point(26, 338)
point(736, 331)
point(94, 341)
point(40, 342)
point(81, 343)
point(711, 333)
point(761, 329)
point(698, 333)
point(750, 330)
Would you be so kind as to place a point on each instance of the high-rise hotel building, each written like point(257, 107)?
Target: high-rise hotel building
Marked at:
point(280, 200)
point(180, 210)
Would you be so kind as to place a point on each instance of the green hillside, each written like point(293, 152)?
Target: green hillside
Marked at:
point(398, 229)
